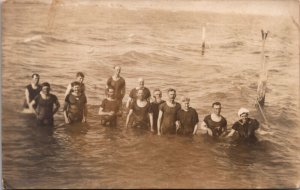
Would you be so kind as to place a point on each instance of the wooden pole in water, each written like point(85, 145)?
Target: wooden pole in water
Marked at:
point(263, 75)
point(203, 39)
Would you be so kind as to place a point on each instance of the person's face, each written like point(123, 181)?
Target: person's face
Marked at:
point(172, 95)
point(140, 95)
point(217, 109)
point(244, 117)
point(35, 79)
point(117, 70)
point(76, 88)
point(80, 79)
point(45, 90)
point(111, 93)
point(157, 95)
point(141, 83)
point(186, 105)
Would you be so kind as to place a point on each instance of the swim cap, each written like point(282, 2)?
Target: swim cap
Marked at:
point(242, 110)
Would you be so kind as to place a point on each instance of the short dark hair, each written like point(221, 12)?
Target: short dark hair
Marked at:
point(80, 74)
point(45, 84)
point(35, 74)
point(75, 83)
point(171, 90)
point(216, 103)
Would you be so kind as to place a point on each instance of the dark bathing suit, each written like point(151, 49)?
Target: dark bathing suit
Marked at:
point(44, 109)
point(140, 114)
point(169, 118)
point(217, 128)
point(246, 131)
point(32, 94)
point(188, 120)
point(134, 91)
point(108, 106)
point(74, 105)
point(117, 85)
point(155, 109)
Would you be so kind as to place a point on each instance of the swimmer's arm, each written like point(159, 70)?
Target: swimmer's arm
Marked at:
point(177, 123)
point(128, 102)
point(66, 117)
point(205, 128)
point(195, 129)
point(27, 96)
point(31, 107)
point(128, 117)
point(231, 133)
point(102, 113)
point(151, 122)
point(84, 113)
point(68, 90)
point(160, 114)
point(57, 106)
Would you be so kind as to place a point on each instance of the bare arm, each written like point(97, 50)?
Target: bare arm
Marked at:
point(66, 117)
point(128, 117)
point(31, 106)
point(151, 121)
point(68, 90)
point(160, 114)
point(103, 113)
point(57, 106)
point(27, 96)
point(231, 133)
point(205, 128)
point(84, 113)
point(195, 129)
point(128, 102)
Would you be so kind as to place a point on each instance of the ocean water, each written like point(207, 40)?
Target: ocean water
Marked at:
point(163, 46)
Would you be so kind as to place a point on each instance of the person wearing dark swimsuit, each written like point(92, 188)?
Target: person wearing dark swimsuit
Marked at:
point(141, 112)
point(32, 90)
point(109, 109)
point(46, 106)
point(167, 114)
point(215, 124)
point(79, 78)
point(75, 109)
point(117, 83)
point(133, 93)
point(157, 94)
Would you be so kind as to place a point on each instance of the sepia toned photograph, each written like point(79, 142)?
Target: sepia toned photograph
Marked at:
point(144, 94)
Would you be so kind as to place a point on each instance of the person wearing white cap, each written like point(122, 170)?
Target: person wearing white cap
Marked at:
point(133, 92)
point(187, 119)
point(246, 126)
point(117, 83)
point(214, 124)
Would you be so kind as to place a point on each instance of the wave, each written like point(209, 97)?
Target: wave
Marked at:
point(233, 44)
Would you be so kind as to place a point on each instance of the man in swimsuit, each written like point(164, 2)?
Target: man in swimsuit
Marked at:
point(32, 90)
point(117, 83)
point(133, 92)
point(187, 119)
point(215, 124)
point(167, 114)
point(79, 78)
point(109, 109)
point(245, 127)
point(46, 106)
point(75, 108)
point(141, 111)
point(157, 94)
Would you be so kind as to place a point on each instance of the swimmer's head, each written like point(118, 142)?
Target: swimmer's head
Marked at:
point(141, 82)
point(110, 92)
point(216, 107)
point(80, 77)
point(157, 93)
point(243, 113)
point(35, 78)
point(117, 69)
point(45, 88)
point(171, 94)
point(140, 94)
point(76, 86)
point(185, 102)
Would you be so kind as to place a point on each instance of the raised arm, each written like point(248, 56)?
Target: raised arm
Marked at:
point(68, 90)
point(160, 114)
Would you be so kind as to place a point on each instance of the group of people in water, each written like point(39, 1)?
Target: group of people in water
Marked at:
point(159, 116)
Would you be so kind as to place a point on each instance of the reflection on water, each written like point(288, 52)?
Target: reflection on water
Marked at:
point(164, 47)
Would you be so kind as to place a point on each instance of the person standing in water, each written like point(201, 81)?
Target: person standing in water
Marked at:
point(32, 90)
point(75, 108)
point(167, 114)
point(245, 126)
point(141, 111)
point(117, 83)
point(46, 106)
point(187, 119)
point(79, 78)
point(215, 124)
point(109, 109)
point(133, 92)
point(157, 94)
